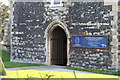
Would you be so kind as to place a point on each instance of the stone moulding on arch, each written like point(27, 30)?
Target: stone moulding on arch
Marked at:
point(55, 24)
point(48, 32)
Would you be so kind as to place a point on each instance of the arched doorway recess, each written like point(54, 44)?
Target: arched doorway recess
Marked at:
point(54, 27)
point(58, 47)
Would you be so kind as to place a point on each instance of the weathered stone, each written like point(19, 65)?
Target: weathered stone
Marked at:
point(32, 19)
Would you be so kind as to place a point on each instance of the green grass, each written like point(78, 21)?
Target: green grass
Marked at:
point(5, 55)
point(95, 71)
point(14, 65)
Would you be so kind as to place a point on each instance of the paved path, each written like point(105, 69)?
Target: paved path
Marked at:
point(47, 68)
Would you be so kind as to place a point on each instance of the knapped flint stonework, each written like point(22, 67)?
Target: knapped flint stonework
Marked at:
point(91, 13)
point(119, 35)
point(28, 42)
point(31, 19)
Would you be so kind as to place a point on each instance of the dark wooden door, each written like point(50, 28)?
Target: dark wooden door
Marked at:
point(59, 47)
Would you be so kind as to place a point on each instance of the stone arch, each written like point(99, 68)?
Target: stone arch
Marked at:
point(47, 36)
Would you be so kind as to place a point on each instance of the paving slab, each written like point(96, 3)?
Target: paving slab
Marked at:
point(48, 68)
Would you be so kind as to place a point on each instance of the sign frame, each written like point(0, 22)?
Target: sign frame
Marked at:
point(90, 36)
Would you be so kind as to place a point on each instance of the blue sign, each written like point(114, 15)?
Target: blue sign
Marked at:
point(77, 41)
point(96, 42)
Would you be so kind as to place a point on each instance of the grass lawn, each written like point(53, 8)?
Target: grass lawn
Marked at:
point(95, 71)
point(14, 65)
point(5, 55)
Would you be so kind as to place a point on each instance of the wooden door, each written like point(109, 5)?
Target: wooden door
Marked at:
point(59, 47)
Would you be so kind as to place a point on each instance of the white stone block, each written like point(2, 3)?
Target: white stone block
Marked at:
point(114, 36)
point(113, 13)
point(113, 23)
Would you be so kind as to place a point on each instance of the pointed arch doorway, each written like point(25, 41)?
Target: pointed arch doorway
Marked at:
point(60, 30)
point(58, 47)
